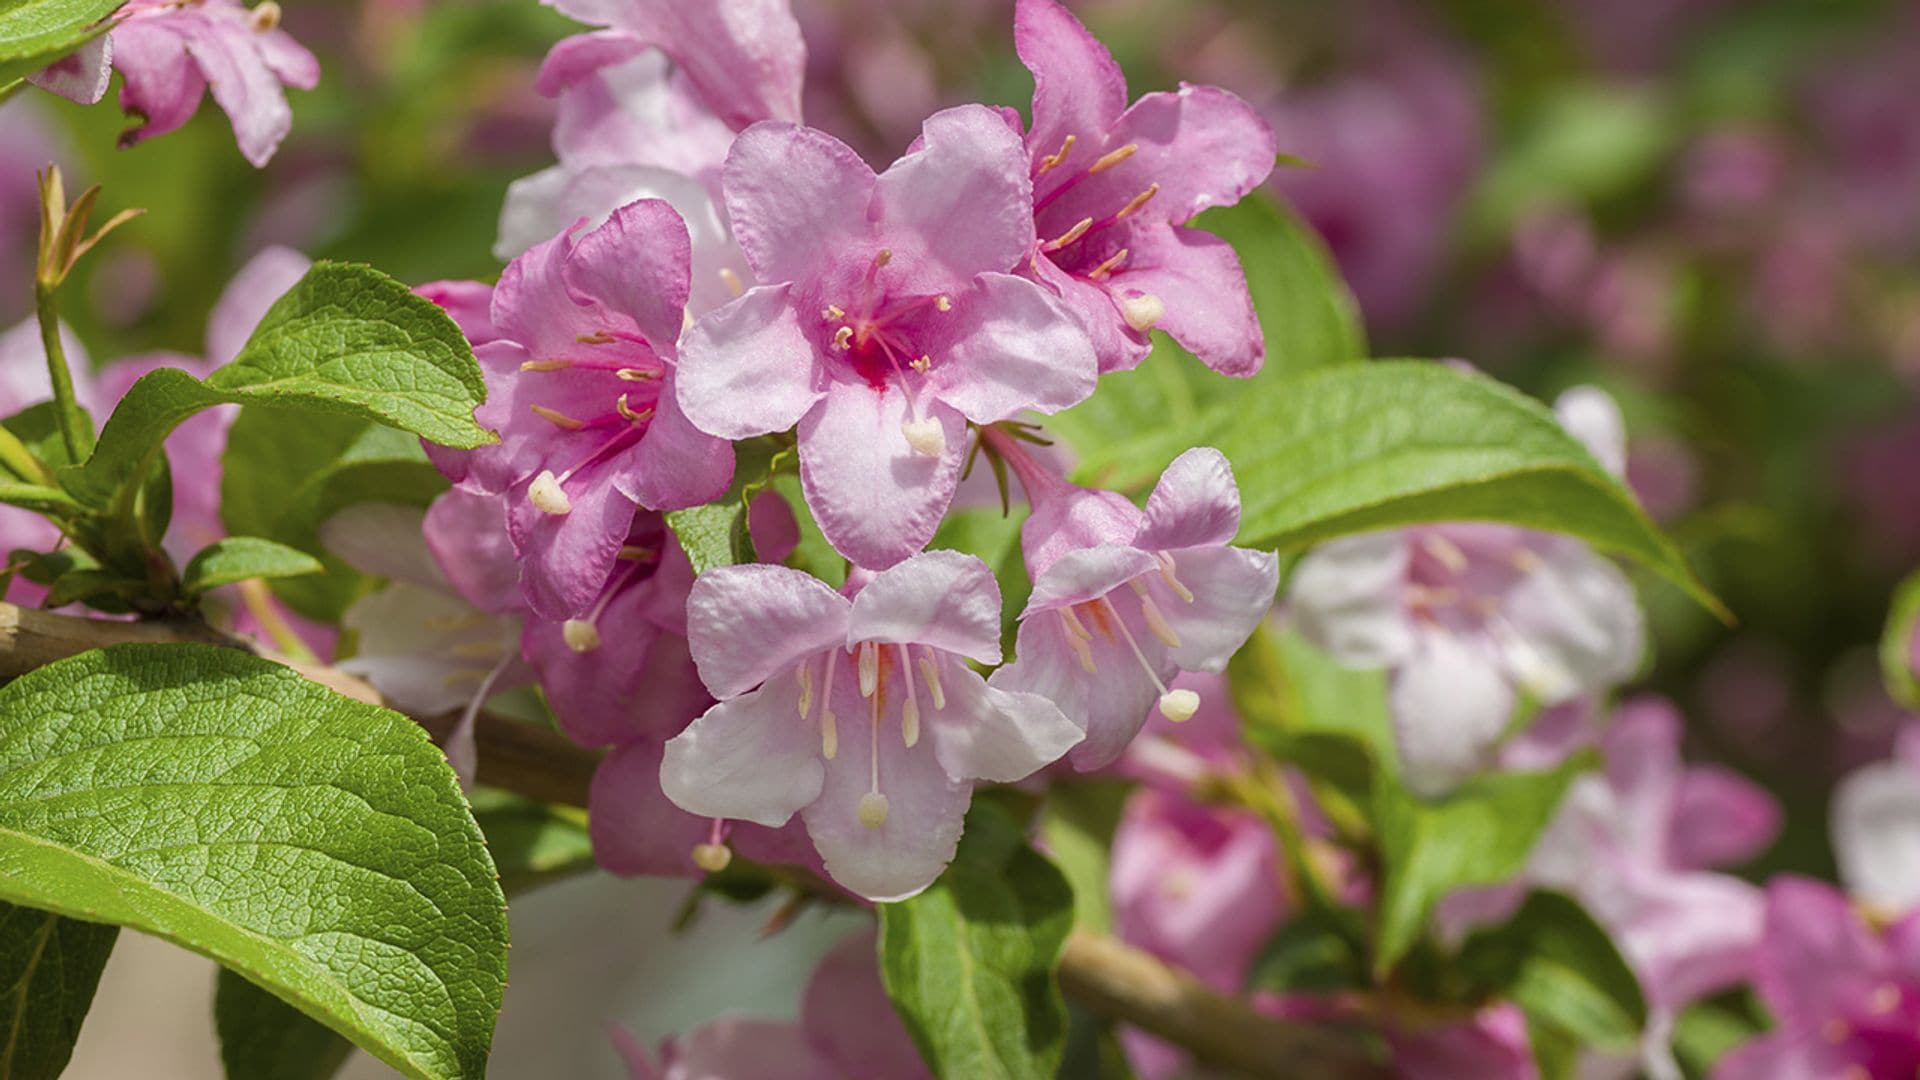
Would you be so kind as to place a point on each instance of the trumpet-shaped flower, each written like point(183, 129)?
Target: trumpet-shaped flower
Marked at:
point(1124, 599)
point(885, 320)
point(170, 52)
point(824, 703)
point(580, 386)
point(1115, 184)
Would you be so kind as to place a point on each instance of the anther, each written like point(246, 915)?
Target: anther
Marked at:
point(872, 810)
point(1167, 575)
point(925, 435)
point(635, 553)
point(1052, 161)
point(265, 17)
point(910, 710)
point(1142, 311)
point(1157, 622)
point(1074, 625)
point(869, 669)
point(882, 257)
point(1525, 560)
point(712, 858)
point(805, 673)
point(1114, 157)
point(1079, 230)
point(943, 302)
point(557, 418)
point(1446, 552)
point(626, 411)
point(545, 365)
point(547, 495)
point(634, 374)
point(598, 337)
point(921, 363)
point(829, 734)
point(732, 281)
point(1106, 269)
point(1138, 201)
point(1176, 705)
point(1179, 705)
point(833, 313)
point(932, 672)
point(580, 635)
point(843, 338)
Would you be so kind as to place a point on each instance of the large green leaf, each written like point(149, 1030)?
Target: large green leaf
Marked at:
point(49, 967)
point(345, 339)
point(1079, 822)
point(283, 474)
point(1558, 965)
point(35, 33)
point(264, 1038)
point(237, 558)
point(1480, 834)
point(970, 963)
point(317, 845)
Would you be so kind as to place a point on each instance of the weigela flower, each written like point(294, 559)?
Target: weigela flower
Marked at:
point(1845, 994)
point(1114, 185)
point(823, 702)
point(1123, 599)
point(1875, 826)
point(580, 386)
point(1467, 615)
point(169, 52)
point(884, 321)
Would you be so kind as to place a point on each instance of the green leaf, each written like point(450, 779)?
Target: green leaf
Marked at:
point(1311, 953)
point(1306, 314)
point(35, 33)
point(1562, 969)
point(1706, 1030)
point(317, 845)
point(284, 473)
point(41, 500)
point(970, 963)
point(49, 968)
point(532, 843)
point(713, 535)
point(1899, 660)
point(1078, 822)
point(237, 558)
point(38, 428)
point(1395, 443)
point(1480, 834)
point(346, 339)
point(264, 1038)
point(1590, 142)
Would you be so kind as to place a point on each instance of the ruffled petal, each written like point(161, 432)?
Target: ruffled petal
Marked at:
point(942, 599)
point(468, 303)
point(636, 263)
point(747, 622)
point(1204, 146)
point(959, 205)
point(1232, 591)
point(1450, 703)
point(565, 558)
point(1077, 88)
point(1195, 504)
point(1816, 950)
point(242, 85)
point(159, 83)
point(989, 734)
point(747, 369)
point(746, 56)
point(1347, 597)
point(1110, 702)
point(796, 197)
point(877, 499)
point(1203, 294)
point(1080, 576)
point(748, 759)
point(1721, 819)
point(1576, 625)
point(1013, 346)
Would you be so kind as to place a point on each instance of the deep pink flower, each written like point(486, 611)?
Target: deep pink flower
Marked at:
point(581, 389)
point(1113, 186)
point(1123, 599)
point(885, 320)
point(1845, 997)
point(1492, 1045)
point(169, 52)
point(823, 702)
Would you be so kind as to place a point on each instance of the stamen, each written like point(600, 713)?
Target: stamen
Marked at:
point(1078, 643)
point(1106, 269)
point(1052, 161)
point(1525, 560)
point(545, 365)
point(1142, 311)
point(1157, 622)
point(713, 855)
point(732, 281)
point(547, 495)
point(265, 17)
point(829, 734)
point(580, 635)
point(1079, 230)
point(910, 711)
point(921, 364)
point(634, 374)
point(1138, 201)
point(1113, 157)
point(1176, 705)
point(882, 257)
point(556, 418)
point(931, 669)
point(843, 338)
point(598, 337)
point(805, 673)
point(1165, 559)
point(869, 669)
point(635, 553)
point(620, 406)
point(1446, 552)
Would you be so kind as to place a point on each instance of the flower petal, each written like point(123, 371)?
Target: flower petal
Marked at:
point(1346, 596)
point(748, 622)
point(81, 76)
point(997, 735)
point(386, 540)
point(1111, 702)
point(636, 263)
point(796, 197)
point(1116, 346)
point(1013, 346)
point(1722, 819)
point(959, 205)
point(675, 465)
point(468, 303)
point(1577, 626)
point(1080, 576)
point(158, 82)
point(1816, 951)
point(877, 499)
point(943, 599)
point(1077, 88)
point(636, 829)
point(565, 558)
point(1197, 278)
point(1232, 592)
point(467, 535)
point(746, 369)
point(748, 759)
point(1450, 703)
point(1875, 821)
point(1204, 146)
point(243, 86)
point(746, 56)
point(1195, 504)
point(848, 1019)
point(1591, 415)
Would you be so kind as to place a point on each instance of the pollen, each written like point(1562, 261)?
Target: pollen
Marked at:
point(931, 672)
point(1079, 230)
point(1106, 269)
point(943, 302)
point(548, 496)
point(883, 257)
point(872, 810)
point(712, 858)
point(580, 635)
point(1142, 311)
point(634, 374)
point(833, 313)
point(732, 281)
point(1114, 157)
point(1446, 552)
point(1133, 205)
point(598, 337)
point(556, 418)
point(921, 363)
point(626, 411)
point(843, 338)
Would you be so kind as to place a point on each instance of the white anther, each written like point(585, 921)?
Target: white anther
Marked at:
point(1179, 705)
point(843, 338)
point(872, 810)
point(829, 734)
point(732, 281)
point(1142, 311)
point(910, 722)
point(548, 496)
point(712, 858)
point(932, 672)
point(869, 669)
point(1157, 622)
point(925, 435)
point(580, 635)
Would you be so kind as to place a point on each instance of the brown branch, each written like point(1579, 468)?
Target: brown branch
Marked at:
point(1105, 975)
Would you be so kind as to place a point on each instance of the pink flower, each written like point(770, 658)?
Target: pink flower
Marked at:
point(1845, 996)
point(581, 389)
point(822, 702)
point(170, 51)
point(884, 321)
point(1113, 185)
point(847, 1027)
point(1122, 600)
point(1875, 824)
point(1492, 1045)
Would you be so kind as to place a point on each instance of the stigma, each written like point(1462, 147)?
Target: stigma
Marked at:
point(548, 496)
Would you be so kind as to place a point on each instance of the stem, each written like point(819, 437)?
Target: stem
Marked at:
point(20, 461)
point(75, 431)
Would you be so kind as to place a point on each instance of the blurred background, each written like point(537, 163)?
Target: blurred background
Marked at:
point(1709, 207)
